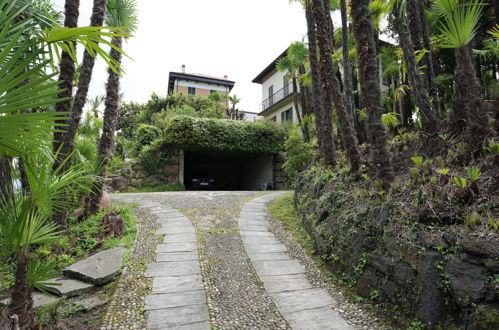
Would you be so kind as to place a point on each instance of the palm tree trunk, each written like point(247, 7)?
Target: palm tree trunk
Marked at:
point(370, 86)
point(323, 126)
point(347, 73)
point(22, 301)
point(330, 83)
point(6, 188)
point(421, 97)
point(106, 142)
point(66, 76)
point(97, 19)
point(297, 110)
point(468, 106)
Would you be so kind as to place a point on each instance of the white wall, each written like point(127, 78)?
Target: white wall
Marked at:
point(277, 79)
point(277, 112)
point(190, 83)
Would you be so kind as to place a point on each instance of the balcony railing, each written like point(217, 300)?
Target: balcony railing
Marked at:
point(281, 94)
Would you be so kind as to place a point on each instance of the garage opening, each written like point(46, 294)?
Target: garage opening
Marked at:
point(206, 172)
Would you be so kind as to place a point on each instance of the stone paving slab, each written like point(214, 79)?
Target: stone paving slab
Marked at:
point(99, 268)
point(173, 268)
point(317, 319)
point(255, 222)
point(68, 287)
point(174, 219)
point(173, 224)
point(253, 228)
point(292, 301)
point(181, 238)
point(278, 267)
point(170, 284)
point(190, 317)
point(264, 248)
point(176, 299)
point(281, 283)
point(176, 230)
point(260, 239)
point(244, 233)
point(269, 256)
point(177, 256)
point(176, 247)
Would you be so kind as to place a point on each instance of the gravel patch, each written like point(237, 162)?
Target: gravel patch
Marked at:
point(354, 313)
point(126, 307)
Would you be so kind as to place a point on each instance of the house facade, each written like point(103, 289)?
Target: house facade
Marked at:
point(277, 94)
point(198, 84)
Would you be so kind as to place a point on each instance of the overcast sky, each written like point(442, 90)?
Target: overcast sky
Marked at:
point(238, 38)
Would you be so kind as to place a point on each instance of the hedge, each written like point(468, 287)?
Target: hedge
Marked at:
point(224, 137)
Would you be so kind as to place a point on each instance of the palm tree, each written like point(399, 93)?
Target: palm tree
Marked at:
point(421, 96)
point(291, 64)
point(458, 25)
point(119, 13)
point(330, 83)
point(95, 103)
point(370, 86)
point(347, 66)
point(322, 114)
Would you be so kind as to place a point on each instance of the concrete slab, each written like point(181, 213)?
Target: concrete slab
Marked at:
point(39, 300)
point(174, 224)
point(278, 267)
point(67, 287)
point(281, 283)
point(254, 222)
point(99, 268)
point(181, 238)
point(172, 318)
point(176, 247)
point(170, 284)
point(293, 301)
point(173, 268)
point(177, 299)
point(264, 248)
point(269, 256)
point(170, 218)
point(177, 256)
point(317, 319)
point(260, 239)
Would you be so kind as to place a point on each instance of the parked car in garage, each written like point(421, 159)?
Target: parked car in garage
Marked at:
point(201, 181)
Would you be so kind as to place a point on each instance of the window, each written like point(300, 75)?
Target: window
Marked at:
point(274, 118)
point(212, 91)
point(271, 95)
point(286, 86)
point(192, 90)
point(287, 115)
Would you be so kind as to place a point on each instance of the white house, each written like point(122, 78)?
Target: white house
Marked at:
point(277, 94)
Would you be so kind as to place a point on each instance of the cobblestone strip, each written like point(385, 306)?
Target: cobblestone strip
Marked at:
point(178, 299)
point(301, 304)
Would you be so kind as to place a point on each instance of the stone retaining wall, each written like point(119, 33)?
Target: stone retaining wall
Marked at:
point(435, 275)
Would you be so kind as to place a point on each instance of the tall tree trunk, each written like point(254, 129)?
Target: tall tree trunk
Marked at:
point(106, 141)
point(421, 97)
point(323, 126)
point(430, 68)
point(370, 86)
point(66, 77)
point(304, 93)
point(97, 19)
point(22, 301)
point(468, 106)
point(347, 66)
point(297, 110)
point(330, 84)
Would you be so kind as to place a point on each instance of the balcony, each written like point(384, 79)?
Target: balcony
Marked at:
point(278, 96)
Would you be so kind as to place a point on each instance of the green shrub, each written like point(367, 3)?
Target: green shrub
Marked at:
point(298, 154)
point(145, 134)
point(225, 137)
point(155, 155)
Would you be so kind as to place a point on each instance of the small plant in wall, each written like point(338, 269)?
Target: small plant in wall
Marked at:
point(474, 174)
point(460, 182)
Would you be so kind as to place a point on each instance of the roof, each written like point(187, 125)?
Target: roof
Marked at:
point(199, 78)
point(271, 67)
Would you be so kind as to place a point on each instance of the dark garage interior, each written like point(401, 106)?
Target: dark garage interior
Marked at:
point(227, 173)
